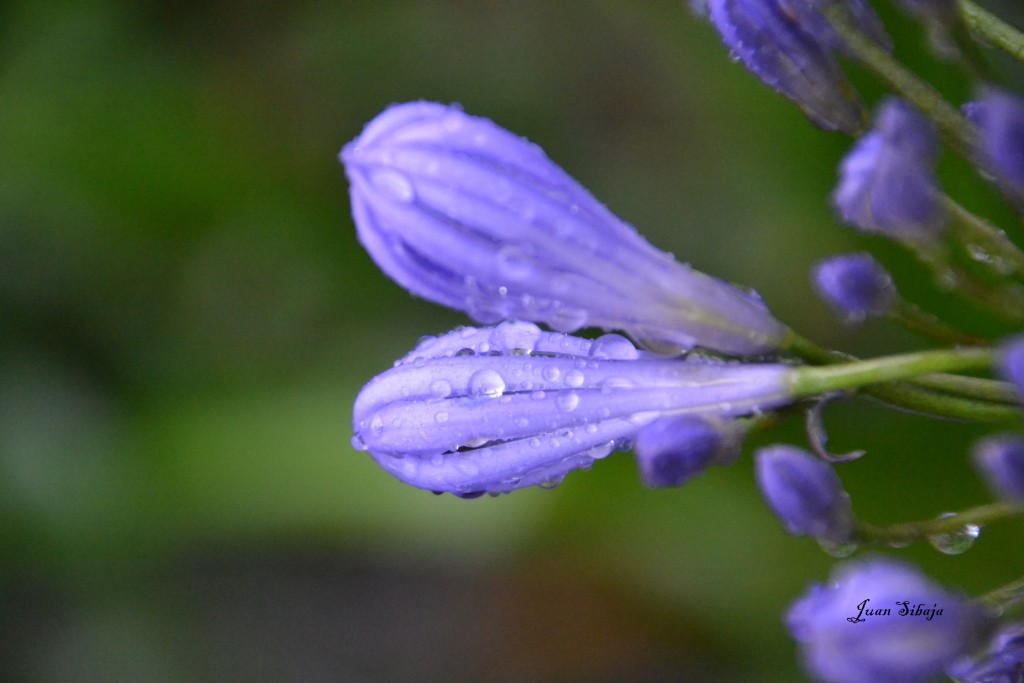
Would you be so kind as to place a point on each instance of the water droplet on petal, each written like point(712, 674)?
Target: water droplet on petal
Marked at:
point(441, 416)
point(574, 379)
point(601, 450)
point(955, 542)
point(515, 262)
point(486, 384)
point(551, 483)
point(567, 319)
point(440, 388)
point(614, 347)
point(393, 184)
point(358, 443)
point(567, 401)
point(377, 425)
point(551, 373)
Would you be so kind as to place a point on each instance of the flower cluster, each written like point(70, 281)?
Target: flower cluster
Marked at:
point(642, 353)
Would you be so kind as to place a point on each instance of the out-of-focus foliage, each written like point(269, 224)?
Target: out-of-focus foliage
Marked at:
point(186, 318)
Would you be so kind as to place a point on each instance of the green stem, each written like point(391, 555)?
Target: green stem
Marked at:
point(916, 320)
point(993, 30)
point(814, 381)
point(910, 532)
point(958, 132)
point(1004, 300)
point(968, 400)
point(973, 230)
point(1005, 596)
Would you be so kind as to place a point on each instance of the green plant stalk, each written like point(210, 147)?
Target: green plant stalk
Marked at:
point(1005, 596)
point(958, 132)
point(927, 325)
point(993, 30)
point(911, 532)
point(815, 381)
point(975, 230)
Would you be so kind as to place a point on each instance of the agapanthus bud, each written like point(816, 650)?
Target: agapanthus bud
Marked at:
point(1000, 116)
point(489, 410)
point(673, 450)
point(464, 213)
point(788, 45)
point(805, 493)
point(1000, 461)
point(1010, 363)
point(856, 285)
point(882, 620)
point(887, 181)
point(1001, 662)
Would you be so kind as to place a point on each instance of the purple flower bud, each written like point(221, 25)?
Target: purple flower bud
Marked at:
point(1000, 461)
point(673, 450)
point(805, 493)
point(1010, 364)
point(887, 181)
point(788, 45)
point(856, 285)
point(882, 620)
point(1001, 662)
point(495, 409)
point(464, 213)
point(1000, 116)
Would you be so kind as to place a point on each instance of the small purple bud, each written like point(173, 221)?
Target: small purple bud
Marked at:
point(1000, 462)
point(673, 450)
point(805, 493)
point(1001, 662)
point(462, 212)
point(883, 620)
point(496, 409)
point(1010, 364)
point(856, 285)
point(1000, 116)
point(887, 181)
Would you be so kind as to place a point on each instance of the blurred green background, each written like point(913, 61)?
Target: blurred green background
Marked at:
point(187, 317)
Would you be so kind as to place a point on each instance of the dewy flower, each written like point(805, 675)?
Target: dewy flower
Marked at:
point(1000, 116)
point(882, 620)
point(673, 450)
point(805, 493)
point(490, 410)
point(887, 181)
point(1002, 661)
point(462, 212)
point(1000, 461)
point(789, 46)
point(856, 285)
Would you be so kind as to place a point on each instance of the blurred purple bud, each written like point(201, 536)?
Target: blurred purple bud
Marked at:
point(887, 181)
point(805, 493)
point(883, 620)
point(856, 285)
point(673, 450)
point(462, 212)
point(1001, 662)
point(1000, 116)
point(789, 47)
point(1000, 462)
point(496, 409)
point(1010, 364)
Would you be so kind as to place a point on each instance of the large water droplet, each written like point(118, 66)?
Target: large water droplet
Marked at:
point(551, 483)
point(567, 401)
point(551, 373)
point(955, 542)
point(358, 443)
point(486, 384)
point(516, 336)
point(393, 184)
point(574, 379)
point(601, 450)
point(614, 347)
